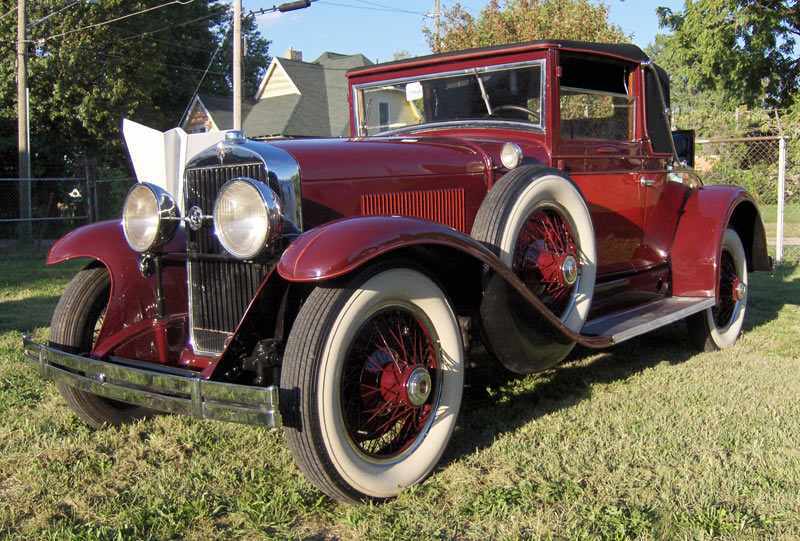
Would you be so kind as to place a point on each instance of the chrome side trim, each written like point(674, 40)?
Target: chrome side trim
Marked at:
point(158, 390)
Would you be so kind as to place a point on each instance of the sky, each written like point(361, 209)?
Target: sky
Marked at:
point(379, 28)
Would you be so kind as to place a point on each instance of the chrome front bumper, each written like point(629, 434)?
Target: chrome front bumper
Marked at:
point(158, 388)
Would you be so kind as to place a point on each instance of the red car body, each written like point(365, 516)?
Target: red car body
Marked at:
point(664, 233)
point(189, 328)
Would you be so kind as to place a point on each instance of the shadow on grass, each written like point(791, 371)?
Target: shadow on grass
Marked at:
point(27, 314)
point(483, 419)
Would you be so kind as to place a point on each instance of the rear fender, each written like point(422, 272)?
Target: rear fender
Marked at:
point(130, 328)
point(341, 247)
point(698, 241)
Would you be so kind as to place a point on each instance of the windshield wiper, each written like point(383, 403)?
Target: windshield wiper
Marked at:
point(483, 93)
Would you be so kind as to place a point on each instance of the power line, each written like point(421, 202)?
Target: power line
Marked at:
point(203, 78)
point(155, 63)
point(56, 12)
point(365, 7)
point(116, 19)
point(375, 4)
point(169, 27)
point(7, 13)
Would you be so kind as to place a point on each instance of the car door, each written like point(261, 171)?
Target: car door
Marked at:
point(663, 191)
point(600, 149)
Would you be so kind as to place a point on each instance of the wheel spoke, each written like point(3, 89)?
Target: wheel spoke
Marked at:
point(387, 353)
point(544, 243)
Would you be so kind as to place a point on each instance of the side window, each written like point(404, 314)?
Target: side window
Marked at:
point(596, 100)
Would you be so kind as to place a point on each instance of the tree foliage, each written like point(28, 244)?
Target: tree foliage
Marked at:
point(737, 52)
point(83, 83)
point(514, 21)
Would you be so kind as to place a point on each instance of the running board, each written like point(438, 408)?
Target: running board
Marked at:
point(627, 324)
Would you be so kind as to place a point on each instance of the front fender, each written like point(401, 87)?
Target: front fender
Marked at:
point(696, 250)
point(130, 319)
point(339, 248)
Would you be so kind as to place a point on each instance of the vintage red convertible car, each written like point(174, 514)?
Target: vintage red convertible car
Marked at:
point(529, 197)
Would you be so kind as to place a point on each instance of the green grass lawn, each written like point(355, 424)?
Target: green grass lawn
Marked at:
point(648, 440)
point(791, 223)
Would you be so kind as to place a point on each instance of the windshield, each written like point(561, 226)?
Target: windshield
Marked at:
point(502, 94)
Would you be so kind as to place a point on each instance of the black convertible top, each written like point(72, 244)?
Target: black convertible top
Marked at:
point(621, 50)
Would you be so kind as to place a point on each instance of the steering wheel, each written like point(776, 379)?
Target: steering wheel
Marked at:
point(514, 108)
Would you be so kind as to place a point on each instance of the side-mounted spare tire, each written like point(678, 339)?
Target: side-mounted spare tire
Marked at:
point(537, 222)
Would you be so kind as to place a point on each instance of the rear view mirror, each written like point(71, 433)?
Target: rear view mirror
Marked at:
point(684, 146)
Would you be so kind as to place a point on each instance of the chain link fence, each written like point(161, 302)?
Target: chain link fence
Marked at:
point(766, 166)
point(44, 209)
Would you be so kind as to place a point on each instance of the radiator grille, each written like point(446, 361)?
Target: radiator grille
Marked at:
point(220, 288)
point(441, 206)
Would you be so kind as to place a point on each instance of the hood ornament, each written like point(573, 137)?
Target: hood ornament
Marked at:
point(222, 151)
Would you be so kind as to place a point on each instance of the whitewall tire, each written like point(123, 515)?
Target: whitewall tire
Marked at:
point(719, 327)
point(538, 224)
point(372, 380)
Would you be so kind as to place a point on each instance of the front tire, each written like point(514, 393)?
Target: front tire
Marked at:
point(371, 384)
point(73, 328)
point(719, 327)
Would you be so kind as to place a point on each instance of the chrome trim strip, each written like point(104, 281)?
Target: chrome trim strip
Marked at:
point(357, 102)
point(161, 391)
point(678, 315)
point(460, 123)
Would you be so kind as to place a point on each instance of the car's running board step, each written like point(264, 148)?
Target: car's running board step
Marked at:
point(627, 324)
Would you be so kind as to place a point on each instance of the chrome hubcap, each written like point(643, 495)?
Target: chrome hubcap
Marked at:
point(569, 270)
point(418, 386)
point(739, 291)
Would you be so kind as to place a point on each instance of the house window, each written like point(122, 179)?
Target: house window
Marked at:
point(384, 115)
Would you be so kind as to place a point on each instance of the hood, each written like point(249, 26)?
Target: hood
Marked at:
point(354, 159)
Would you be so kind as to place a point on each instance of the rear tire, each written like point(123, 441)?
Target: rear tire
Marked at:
point(75, 322)
point(720, 327)
point(352, 364)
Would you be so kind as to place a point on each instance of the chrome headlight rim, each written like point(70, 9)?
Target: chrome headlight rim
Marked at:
point(274, 217)
point(168, 218)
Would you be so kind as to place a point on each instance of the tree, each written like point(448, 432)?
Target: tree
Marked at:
point(514, 21)
point(739, 51)
point(255, 61)
point(82, 83)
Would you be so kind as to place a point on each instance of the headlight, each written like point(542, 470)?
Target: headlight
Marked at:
point(511, 155)
point(149, 217)
point(247, 217)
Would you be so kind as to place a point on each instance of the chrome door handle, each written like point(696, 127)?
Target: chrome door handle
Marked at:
point(647, 182)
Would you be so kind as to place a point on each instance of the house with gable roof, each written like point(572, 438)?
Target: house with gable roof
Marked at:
point(295, 99)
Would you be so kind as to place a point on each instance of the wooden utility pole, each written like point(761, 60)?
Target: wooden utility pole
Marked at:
point(24, 168)
point(437, 21)
point(237, 64)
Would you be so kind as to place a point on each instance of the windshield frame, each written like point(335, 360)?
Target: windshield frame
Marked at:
point(540, 127)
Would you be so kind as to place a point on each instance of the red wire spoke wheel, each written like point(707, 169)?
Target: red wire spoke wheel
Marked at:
point(719, 327)
point(731, 291)
point(546, 258)
point(389, 383)
point(372, 376)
